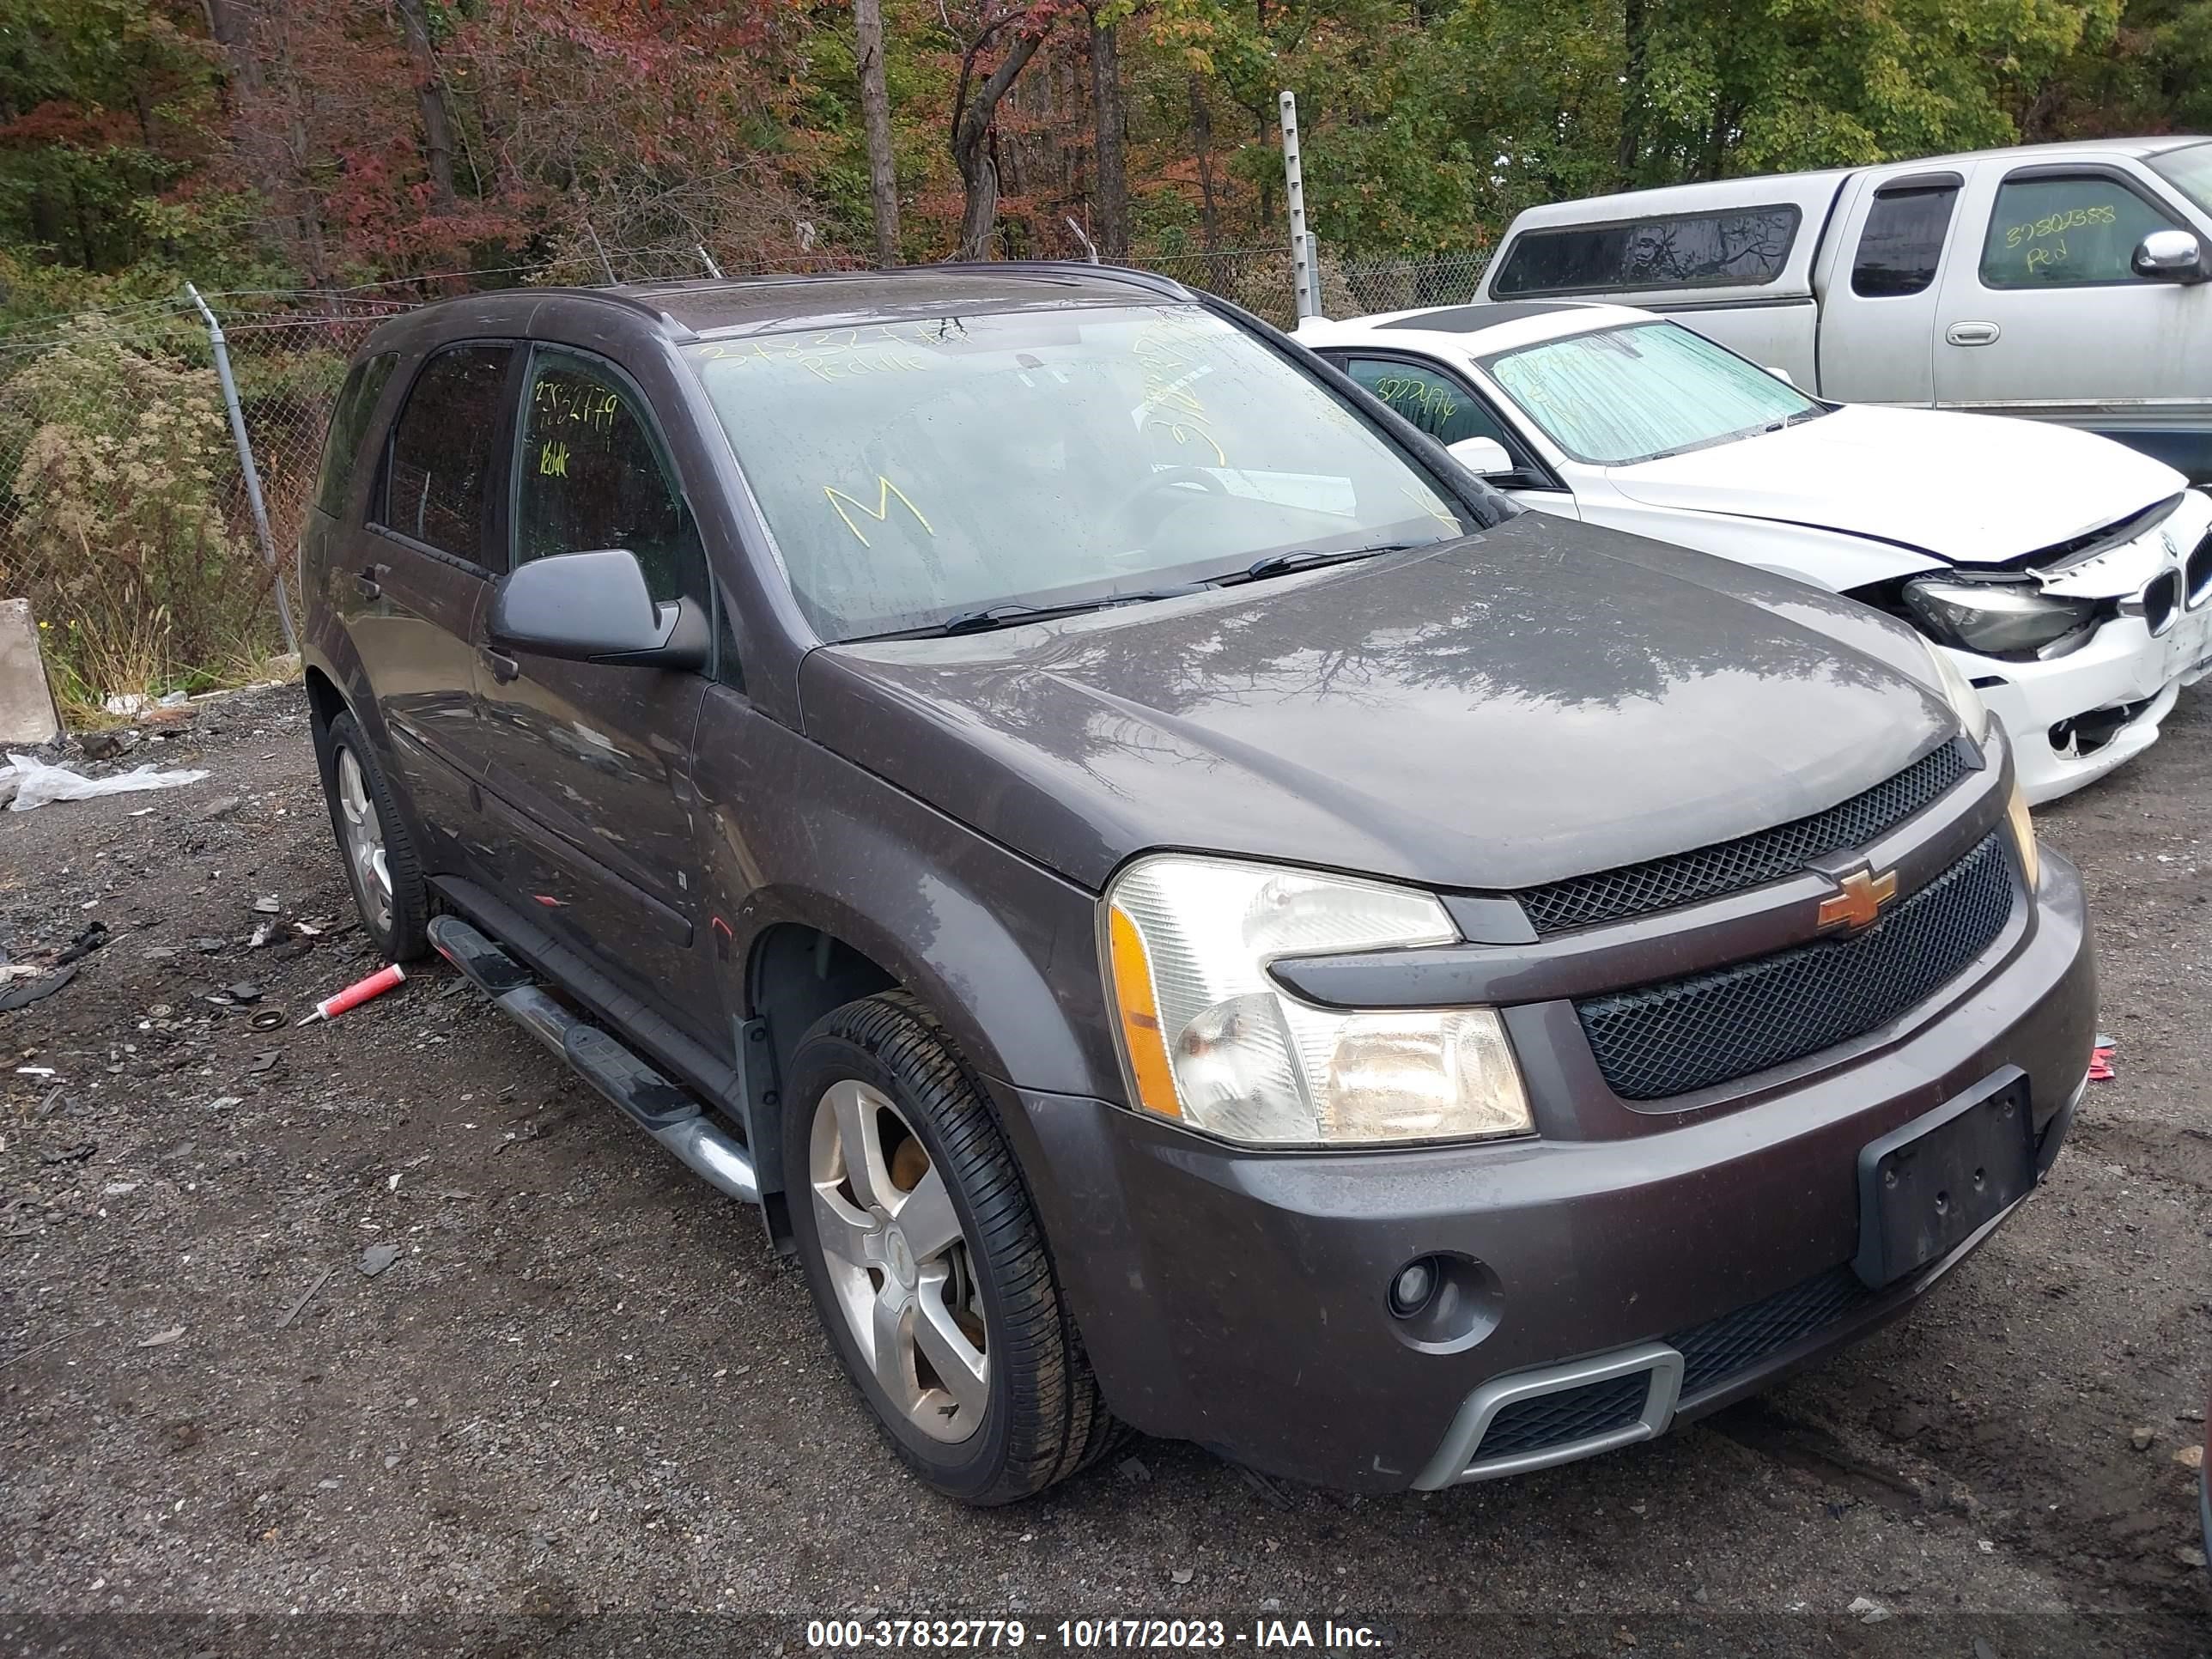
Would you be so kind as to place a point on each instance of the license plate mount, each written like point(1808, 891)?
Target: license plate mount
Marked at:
point(1928, 1185)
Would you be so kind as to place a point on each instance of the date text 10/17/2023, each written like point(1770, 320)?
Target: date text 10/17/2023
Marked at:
point(1089, 1635)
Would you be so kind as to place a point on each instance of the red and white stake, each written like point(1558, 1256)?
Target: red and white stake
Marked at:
point(354, 995)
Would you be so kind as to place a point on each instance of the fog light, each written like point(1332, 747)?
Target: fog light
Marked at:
point(1415, 1283)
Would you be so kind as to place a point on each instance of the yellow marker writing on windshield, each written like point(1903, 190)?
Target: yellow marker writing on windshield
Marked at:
point(880, 511)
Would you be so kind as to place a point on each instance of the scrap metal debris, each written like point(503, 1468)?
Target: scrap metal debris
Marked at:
point(305, 1296)
point(376, 1258)
point(23, 995)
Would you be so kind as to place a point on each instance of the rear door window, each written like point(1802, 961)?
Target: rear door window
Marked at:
point(2072, 231)
point(439, 485)
point(1737, 248)
point(348, 427)
point(1902, 242)
point(592, 472)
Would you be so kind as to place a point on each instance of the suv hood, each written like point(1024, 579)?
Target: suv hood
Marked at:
point(1971, 489)
point(1543, 700)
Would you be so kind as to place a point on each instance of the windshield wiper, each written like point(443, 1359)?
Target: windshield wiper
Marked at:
point(1006, 616)
point(1280, 564)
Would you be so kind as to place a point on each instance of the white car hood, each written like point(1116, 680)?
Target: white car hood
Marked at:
point(1971, 489)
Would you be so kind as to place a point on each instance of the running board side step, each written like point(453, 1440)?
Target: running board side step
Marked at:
point(642, 1094)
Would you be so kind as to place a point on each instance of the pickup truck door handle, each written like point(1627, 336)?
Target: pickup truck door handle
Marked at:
point(369, 579)
point(1972, 334)
point(503, 667)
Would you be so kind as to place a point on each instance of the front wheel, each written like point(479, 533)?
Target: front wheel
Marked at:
point(925, 1261)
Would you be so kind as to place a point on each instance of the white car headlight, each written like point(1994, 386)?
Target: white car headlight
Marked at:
point(1210, 1039)
point(1958, 692)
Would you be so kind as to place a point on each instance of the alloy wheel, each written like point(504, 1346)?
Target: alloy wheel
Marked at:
point(898, 1262)
point(364, 841)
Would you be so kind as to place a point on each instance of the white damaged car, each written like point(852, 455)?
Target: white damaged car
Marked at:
point(2069, 577)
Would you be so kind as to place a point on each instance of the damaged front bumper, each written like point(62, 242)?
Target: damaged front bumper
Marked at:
point(2076, 717)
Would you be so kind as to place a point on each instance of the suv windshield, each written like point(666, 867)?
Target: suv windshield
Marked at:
point(2189, 170)
point(1643, 390)
point(917, 471)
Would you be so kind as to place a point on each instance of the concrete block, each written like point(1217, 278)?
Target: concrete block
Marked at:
point(27, 704)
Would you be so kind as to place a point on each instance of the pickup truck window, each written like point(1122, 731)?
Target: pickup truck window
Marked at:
point(1618, 396)
point(1903, 240)
point(2066, 232)
point(915, 471)
point(2189, 170)
point(1739, 248)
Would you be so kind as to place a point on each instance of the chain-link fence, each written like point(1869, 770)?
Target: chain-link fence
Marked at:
point(125, 515)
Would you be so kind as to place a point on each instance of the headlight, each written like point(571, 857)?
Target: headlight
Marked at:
point(2023, 835)
point(2014, 619)
point(1958, 692)
point(1209, 1038)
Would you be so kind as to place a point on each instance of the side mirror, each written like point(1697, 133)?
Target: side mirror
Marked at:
point(1781, 374)
point(595, 607)
point(2170, 256)
point(1484, 457)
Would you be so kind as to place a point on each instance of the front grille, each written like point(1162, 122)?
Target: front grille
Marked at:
point(1712, 1027)
point(1729, 866)
point(1555, 1419)
point(1721, 1348)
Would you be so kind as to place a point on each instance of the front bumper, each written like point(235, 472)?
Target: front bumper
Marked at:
point(2080, 716)
point(1240, 1299)
point(2076, 717)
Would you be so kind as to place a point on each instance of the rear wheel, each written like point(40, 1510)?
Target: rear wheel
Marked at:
point(925, 1261)
point(381, 863)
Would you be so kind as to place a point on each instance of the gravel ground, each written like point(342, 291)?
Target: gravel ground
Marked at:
point(585, 1403)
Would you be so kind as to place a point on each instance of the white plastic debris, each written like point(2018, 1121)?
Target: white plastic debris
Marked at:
point(34, 783)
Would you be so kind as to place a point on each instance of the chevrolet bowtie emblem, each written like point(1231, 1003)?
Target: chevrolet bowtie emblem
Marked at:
point(1858, 901)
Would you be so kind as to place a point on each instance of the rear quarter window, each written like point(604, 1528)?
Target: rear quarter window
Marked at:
point(349, 428)
point(1735, 247)
point(1902, 244)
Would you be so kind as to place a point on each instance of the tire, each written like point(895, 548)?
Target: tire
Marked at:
point(397, 921)
point(1035, 1415)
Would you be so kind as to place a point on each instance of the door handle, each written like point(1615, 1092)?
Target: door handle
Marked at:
point(503, 667)
point(1972, 334)
point(369, 579)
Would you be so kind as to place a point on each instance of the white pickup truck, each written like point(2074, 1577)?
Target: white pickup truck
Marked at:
point(2070, 282)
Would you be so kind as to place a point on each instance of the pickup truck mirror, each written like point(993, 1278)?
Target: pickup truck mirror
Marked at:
point(2170, 256)
point(1484, 457)
point(595, 607)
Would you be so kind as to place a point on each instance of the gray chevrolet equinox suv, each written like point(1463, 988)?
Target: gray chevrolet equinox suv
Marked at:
point(1178, 906)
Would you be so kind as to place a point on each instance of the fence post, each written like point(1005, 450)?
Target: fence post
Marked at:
point(245, 465)
point(1294, 192)
point(1313, 275)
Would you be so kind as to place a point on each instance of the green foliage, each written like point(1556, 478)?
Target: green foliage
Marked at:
point(297, 149)
point(117, 462)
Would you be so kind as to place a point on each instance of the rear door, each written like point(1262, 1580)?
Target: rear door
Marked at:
point(590, 764)
point(417, 573)
point(1878, 315)
point(2041, 313)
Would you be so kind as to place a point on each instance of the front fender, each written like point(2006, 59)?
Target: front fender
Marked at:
point(1002, 951)
point(1826, 558)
